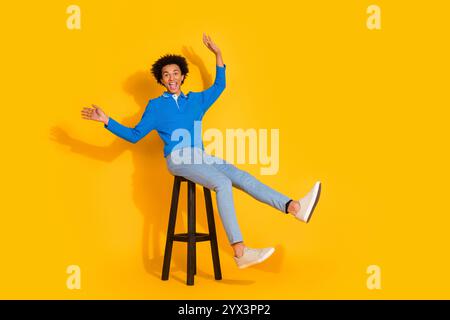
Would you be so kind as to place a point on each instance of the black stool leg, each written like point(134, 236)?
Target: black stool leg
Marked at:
point(171, 228)
point(212, 234)
point(191, 234)
point(195, 227)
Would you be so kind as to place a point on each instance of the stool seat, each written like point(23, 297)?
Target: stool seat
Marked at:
point(191, 237)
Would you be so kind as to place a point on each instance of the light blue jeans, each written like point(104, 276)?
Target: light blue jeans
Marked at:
point(220, 176)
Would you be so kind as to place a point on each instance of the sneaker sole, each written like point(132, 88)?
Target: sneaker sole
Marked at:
point(313, 206)
point(265, 257)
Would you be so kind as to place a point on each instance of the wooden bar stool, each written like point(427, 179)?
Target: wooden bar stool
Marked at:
point(191, 237)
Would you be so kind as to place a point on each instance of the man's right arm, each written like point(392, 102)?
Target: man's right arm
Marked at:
point(133, 135)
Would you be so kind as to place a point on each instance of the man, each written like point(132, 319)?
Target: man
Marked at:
point(174, 111)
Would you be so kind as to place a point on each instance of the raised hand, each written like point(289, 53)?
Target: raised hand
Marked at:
point(94, 113)
point(210, 44)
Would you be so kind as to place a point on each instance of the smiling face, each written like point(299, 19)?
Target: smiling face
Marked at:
point(172, 78)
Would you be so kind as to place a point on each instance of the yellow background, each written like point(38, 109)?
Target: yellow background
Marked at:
point(366, 112)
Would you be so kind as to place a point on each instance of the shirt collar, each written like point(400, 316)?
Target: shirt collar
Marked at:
point(168, 95)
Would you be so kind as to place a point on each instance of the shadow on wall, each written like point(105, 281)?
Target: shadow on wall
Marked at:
point(151, 186)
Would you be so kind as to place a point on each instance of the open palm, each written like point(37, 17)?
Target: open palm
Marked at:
point(210, 44)
point(95, 113)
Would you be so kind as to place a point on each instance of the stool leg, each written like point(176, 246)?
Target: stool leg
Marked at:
point(194, 215)
point(191, 234)
point(194, 210)
point(212, 234)
point(171, 228)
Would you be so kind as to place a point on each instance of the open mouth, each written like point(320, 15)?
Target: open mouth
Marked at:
point(173, 86)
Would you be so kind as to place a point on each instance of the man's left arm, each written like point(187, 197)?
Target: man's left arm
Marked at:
point(210, 95)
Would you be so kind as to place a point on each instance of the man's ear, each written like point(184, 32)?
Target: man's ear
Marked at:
point(182, 78)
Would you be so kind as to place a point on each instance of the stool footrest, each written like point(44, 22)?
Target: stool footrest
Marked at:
point(183, 237)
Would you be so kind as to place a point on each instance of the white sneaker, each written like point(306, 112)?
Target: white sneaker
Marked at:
point(253, 256)
point(308, 203)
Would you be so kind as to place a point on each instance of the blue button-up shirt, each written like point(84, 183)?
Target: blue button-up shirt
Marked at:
point(166, 114)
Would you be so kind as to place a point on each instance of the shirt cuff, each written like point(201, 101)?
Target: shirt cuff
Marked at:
point(110, 123)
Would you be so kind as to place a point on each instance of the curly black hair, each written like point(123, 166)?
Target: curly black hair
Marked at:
point(169, 59)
